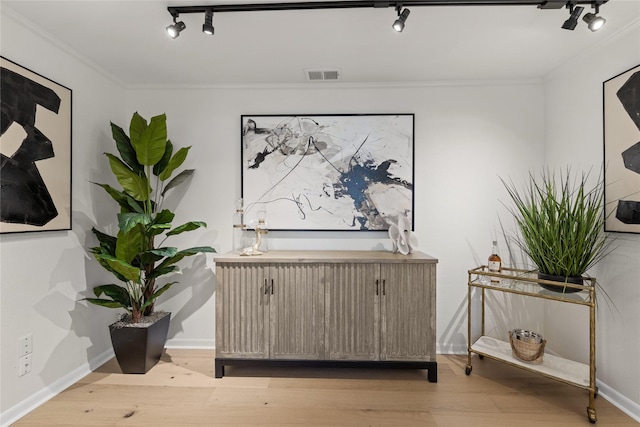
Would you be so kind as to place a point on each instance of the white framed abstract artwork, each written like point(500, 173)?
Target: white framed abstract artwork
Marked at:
point(329, 172)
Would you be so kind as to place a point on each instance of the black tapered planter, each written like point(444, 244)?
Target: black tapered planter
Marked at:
point(560, 288)
point(139, 348)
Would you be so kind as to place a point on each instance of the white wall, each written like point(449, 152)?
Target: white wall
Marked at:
point(573, 117)
point(466, 136)
point(45, 274)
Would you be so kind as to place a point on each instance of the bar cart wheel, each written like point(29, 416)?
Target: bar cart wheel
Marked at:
point(467, 370)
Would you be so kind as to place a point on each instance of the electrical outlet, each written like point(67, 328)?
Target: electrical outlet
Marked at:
point(24, 365)
point(25, 345)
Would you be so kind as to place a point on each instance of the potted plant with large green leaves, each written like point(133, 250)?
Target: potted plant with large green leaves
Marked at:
point(136, 258)
point(560, 225)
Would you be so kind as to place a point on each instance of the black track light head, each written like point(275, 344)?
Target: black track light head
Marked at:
point(594, 22)
point(398, 25)
point(174, 29)
point(207, 27)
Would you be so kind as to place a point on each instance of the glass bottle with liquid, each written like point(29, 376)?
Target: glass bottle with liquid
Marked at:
point(495, 262)
point(238, 227)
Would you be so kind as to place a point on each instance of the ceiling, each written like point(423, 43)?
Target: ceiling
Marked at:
point(127, 40)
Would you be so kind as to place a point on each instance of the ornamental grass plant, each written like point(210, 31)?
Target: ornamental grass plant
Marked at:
point(560, 221)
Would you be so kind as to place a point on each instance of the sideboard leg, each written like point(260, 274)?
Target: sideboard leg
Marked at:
point(432, 373)
point(219, 368)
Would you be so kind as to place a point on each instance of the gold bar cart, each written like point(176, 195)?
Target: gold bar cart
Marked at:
point(526, 282)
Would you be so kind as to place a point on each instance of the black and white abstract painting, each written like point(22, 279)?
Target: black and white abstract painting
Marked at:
point(328, 172)
point(621, 95)
point(35, 150)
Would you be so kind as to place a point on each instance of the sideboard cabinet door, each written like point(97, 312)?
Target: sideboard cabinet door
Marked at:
point(352, 314)
point(297, 311)
point(242, 309)
point(408, 312)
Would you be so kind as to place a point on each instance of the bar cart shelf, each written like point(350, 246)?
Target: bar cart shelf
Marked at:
point(526, 282)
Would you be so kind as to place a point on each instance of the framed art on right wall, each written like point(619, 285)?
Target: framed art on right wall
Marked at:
point(621, 110)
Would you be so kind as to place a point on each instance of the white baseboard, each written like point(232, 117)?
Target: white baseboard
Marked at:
point(18, 411)
point(618, 400)
point(451, 349)
point(191, 344)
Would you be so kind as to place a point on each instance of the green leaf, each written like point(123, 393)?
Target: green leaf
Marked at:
point(185, 253)
point(175, 162)
point(164, 217)
point(189, 226)
point(126, 221)
point(179, 179)
point(137, 186)
point(102, 255)
point(105, 303)
point(107, 242)
point(164, 161)
point(152, 142)
point(126, 202)
point(123, 144)
point(115, 292)
point(133, 205)
point(130, 244)
point(156, 229)
point(128, 271)
point(149, 258)
point(161, 222)
point(137, 126)
point(153, 255)
point(161, 271)
point(101, 258)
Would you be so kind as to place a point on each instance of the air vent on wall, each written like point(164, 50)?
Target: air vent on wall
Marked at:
point(322, 75)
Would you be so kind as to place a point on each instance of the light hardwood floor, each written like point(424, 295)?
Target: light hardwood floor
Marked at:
point(182, 391)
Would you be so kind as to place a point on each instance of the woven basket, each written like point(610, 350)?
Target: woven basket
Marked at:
point(527, 346)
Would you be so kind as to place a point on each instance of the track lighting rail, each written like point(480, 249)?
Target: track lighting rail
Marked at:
point(211, 9)
point(312, 5)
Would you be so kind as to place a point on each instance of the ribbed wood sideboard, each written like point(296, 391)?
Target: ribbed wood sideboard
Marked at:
point(326, 308)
